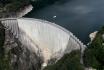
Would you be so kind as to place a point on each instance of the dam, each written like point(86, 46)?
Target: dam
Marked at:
point(44, 38)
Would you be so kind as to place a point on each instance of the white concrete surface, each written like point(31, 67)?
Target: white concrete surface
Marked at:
point(43, 37)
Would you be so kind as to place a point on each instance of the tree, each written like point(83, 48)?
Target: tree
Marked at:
point(68, 62)
point(94, 54)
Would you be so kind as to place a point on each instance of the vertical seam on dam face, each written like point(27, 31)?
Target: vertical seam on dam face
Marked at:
point(15, 25)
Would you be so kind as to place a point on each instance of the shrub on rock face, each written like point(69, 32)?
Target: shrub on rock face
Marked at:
point(94, 54)
point(90, 59)
point(67, 62)
point(4, 59)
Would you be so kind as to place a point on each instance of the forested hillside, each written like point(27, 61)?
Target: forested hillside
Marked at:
point(94, 54)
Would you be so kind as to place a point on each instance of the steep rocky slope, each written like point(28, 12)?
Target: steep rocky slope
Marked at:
point(17, 56)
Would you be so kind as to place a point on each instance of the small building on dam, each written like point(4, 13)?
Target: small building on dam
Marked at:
point(44, 38)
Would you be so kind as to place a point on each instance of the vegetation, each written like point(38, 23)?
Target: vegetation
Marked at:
point(94, 54)
point(68, 62)
point(4, 59)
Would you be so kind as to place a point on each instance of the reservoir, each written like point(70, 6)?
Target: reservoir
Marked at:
point(81, 17)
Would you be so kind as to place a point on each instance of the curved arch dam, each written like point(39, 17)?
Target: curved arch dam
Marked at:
point(42, 37)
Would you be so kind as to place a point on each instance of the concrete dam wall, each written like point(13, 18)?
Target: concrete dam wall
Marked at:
point(42, 37)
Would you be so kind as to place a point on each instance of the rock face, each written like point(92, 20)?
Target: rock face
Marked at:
point(93, 35)
point(20, 57)
point(19, 13)
point(26, 10)
point(39, 41)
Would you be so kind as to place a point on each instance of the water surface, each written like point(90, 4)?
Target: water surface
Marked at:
point(81, 17)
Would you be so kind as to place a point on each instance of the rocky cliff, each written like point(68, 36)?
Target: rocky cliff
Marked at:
point(17, 56)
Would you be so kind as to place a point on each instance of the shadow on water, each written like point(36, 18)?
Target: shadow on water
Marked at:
point(62, 1)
